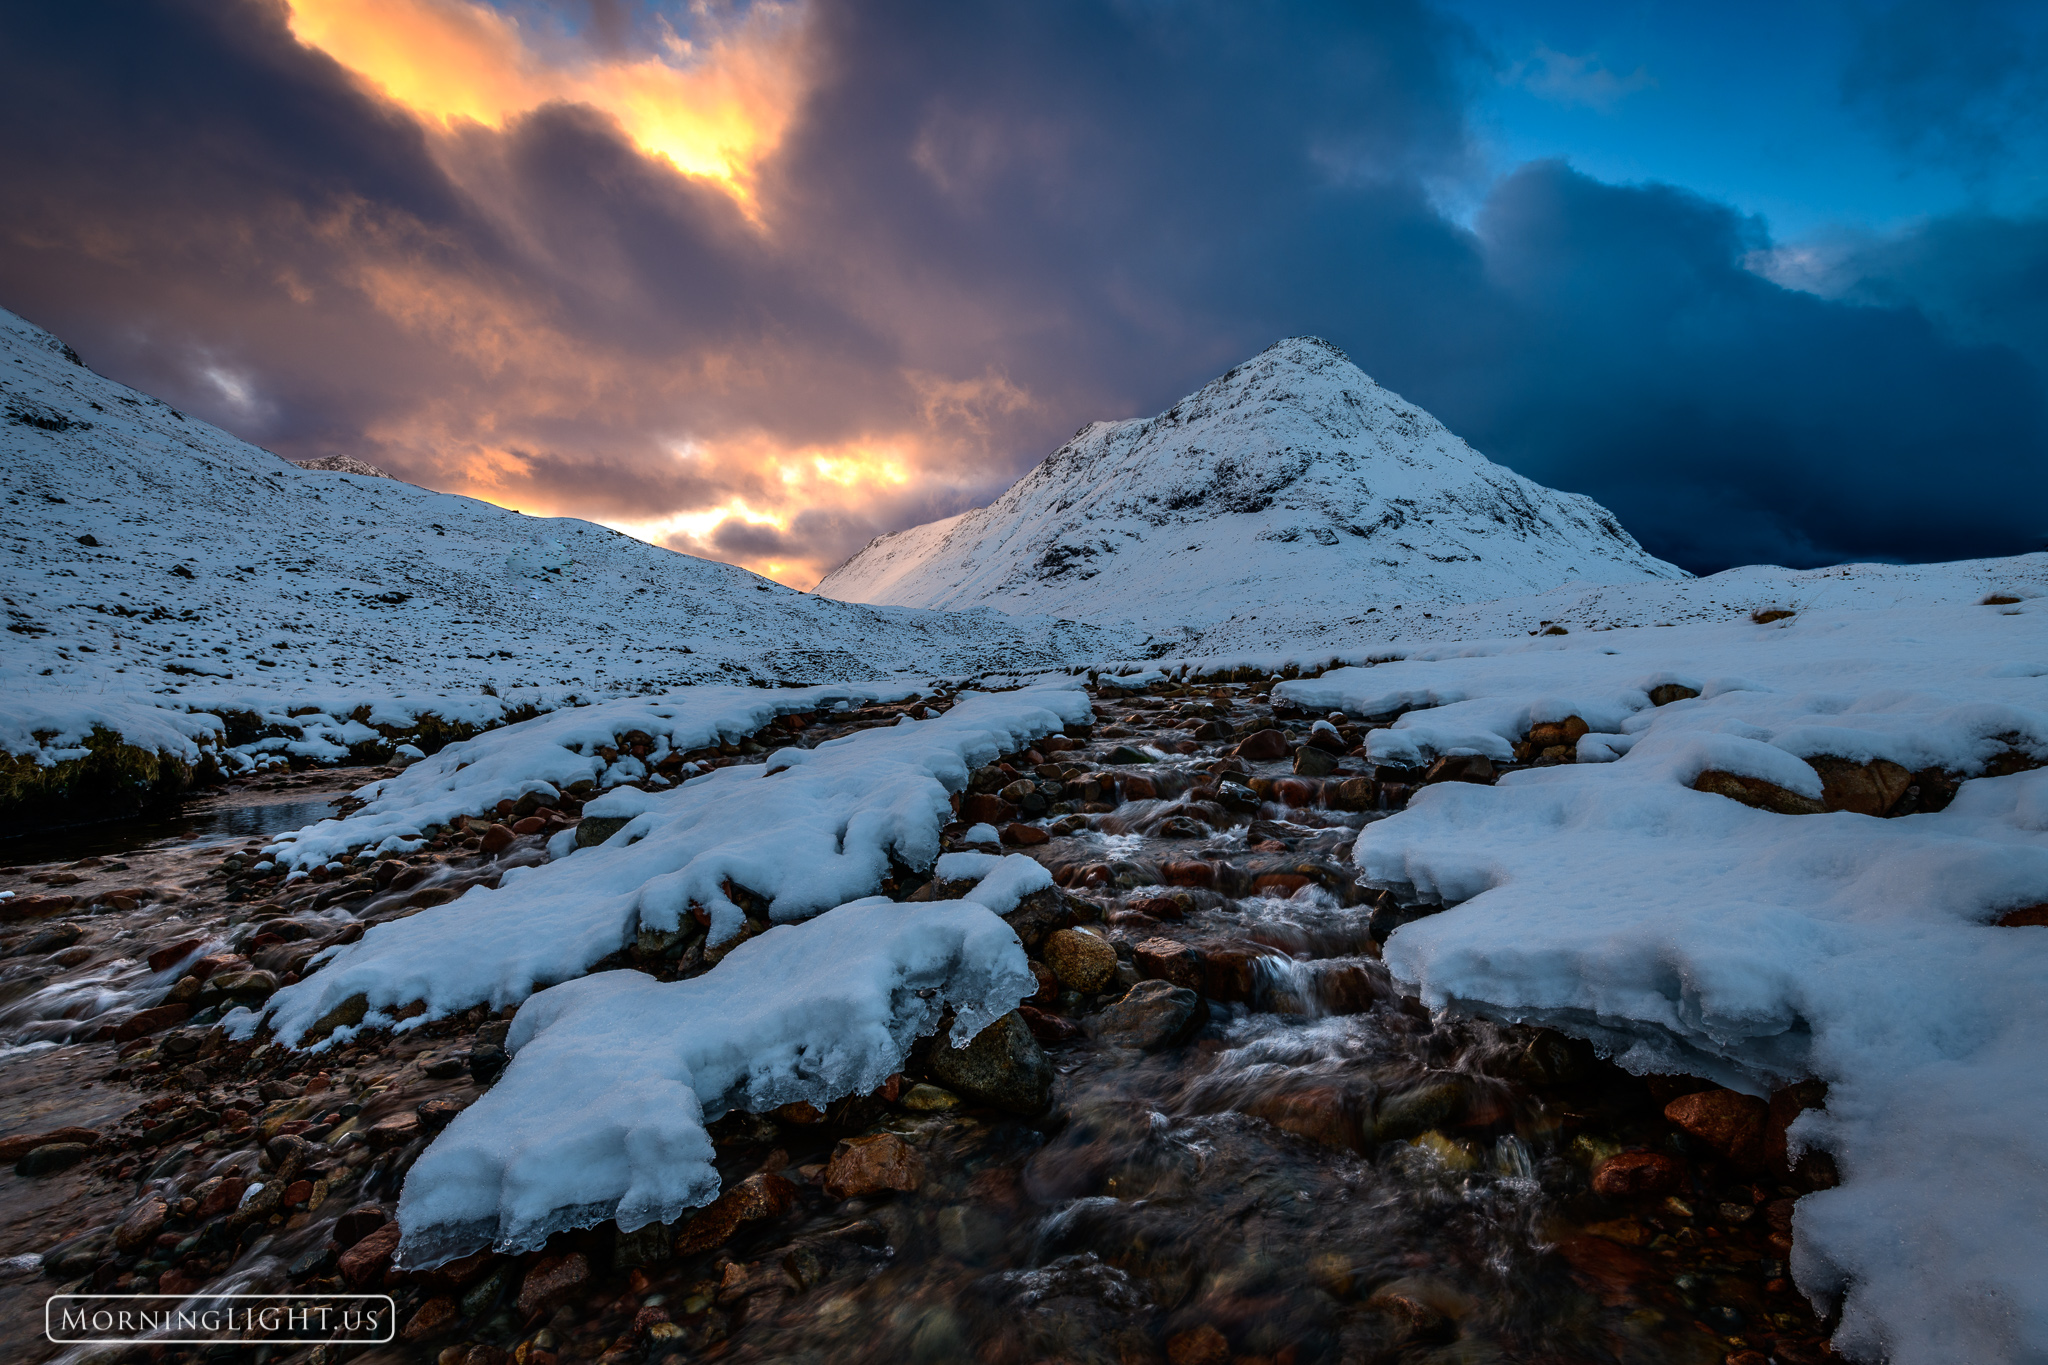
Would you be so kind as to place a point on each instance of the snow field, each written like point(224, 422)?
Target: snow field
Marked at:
point(601, 1113)
point(547, 755)
point(808, 830)
point(1685, 932)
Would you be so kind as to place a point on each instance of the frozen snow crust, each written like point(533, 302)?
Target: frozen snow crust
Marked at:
point(601, 1113)
point(1287, 493)
point(1686, 932)
point(155, 564)
point(545, 756)
point(808, 830)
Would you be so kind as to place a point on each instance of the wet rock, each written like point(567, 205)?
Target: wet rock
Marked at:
point(1313, 761)
point(1048, 1029)
point(552, 1279)
point(1323, 1114)
point(142, 1023)
point(1082, 961)
point(1352, 793)
point(347, 1014)
point(497, 838)
point(761, 1195)
point(867, 1165)
point(1192, 873)
point(1042, 913)
point(1635, 1175)
point(595, 829)
point(1165, 959)
point(436, 1114)
point(1754, 791)
point(1663, 694)
point(1024, 836)
point(2027, 916)
point(986, 808)
point(1872, 788)
point(394, 1130)
point(1460, 768)
point(15, 1148)
point(353, 1226)
point(434, 1317)
point(227, 1195)
point(164, 958)
point(51, 1158)
point(1124, 754)
point(366, 1261)
point(1229, 970)
point(1203, 1346)
point(243, 987)
point(486, 1063)
point(1002, 1066)
point(143, 1223)
point(1732, 1124)
point(1419, 1109)
point(932, 1099)
point(1151, 1015)
point(1262, 746)
point(33, 907)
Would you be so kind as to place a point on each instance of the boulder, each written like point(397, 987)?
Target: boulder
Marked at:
point(763, 1194)
point(1151, 1015)
point(592, 830)
point(866, 1165)
point(1871, 788)
point(1460, 768)
point(1314, 761)
point(1754, 791)
point(15, 1148)
point(1082, 961)
point(552, 1279)
point(1165, 959)
point(1262, 746)
point(1002, 1066)
point(1633, 1175)
point(1733, 1124)
point(51, 1158)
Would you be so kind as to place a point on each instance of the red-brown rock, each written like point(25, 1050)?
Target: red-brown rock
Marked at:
point(142, 1224)
point(1460, 768)
point(552, 1279)
point(879, 1161)
point(434, 1317)
point(1164, 959)
point(497, 839)
point(15, 1148)
point(353, 1226)
point(142, 1023)
point(1754, 791)
point(2025, 917)
point(1262, 746)
point(1633, 1175)
point(394, 1131)
point(1048, 1029)
point(34, 907)
point(1323, 1114)
point(761, 1195)
point(1730, 1123)
point(532, 824)
point(986, 808)
point(366, 1261)
point(1203, 1346)
point(222, 1197)
point(1024, 836)
point(174, 954)
point(1195, 873)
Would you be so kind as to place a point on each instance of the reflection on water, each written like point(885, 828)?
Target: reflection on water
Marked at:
point(215, 825)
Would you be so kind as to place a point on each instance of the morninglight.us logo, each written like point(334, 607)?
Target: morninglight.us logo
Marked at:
point(242, 1319)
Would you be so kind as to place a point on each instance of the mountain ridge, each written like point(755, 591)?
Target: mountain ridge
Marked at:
point(1295, 448)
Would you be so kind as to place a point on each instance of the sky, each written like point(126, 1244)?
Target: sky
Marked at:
point(760, 282)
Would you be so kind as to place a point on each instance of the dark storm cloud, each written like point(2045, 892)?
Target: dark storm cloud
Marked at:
point(1952, 80)
point(985, 226)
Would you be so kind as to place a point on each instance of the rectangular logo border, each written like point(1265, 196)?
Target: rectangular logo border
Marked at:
point(391, 1321)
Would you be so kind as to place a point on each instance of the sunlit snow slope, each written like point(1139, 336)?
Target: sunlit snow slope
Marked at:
point(1290, 491)
point(155, 565)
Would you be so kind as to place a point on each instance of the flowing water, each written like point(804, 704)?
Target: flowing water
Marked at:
point(1318, 1169)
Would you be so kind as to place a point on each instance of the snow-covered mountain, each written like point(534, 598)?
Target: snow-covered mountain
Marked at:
point(1288, 492)
point(158, 564)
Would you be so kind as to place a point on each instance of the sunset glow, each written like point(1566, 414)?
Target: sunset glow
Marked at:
point(711, 108)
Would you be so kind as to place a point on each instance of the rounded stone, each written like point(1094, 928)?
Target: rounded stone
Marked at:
point(1082, 961)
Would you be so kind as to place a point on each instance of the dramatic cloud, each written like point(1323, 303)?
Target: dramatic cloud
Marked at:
point(761, 283)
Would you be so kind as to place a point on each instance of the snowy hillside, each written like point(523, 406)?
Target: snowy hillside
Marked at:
point(1290, 491)
point(157, 566)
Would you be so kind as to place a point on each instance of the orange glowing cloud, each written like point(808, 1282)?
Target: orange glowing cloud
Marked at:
point(713, 107)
